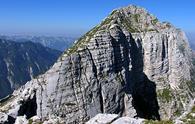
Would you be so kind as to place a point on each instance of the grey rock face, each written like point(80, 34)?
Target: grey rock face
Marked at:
point(130, 65)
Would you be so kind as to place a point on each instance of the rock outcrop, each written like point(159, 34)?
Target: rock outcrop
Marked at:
point(113, 119)
point(130, 65)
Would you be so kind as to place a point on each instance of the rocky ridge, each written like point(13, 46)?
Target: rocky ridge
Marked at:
point(131, 65)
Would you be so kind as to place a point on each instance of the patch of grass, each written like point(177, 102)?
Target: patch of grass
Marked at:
point(193, 109)
point(165, 94)
point(128, 26)
point(119, 78)
point(136, 17)
point(177, 112)
point(154, 21)
point(151, 30)
point(158, 122)
point(113, 12)
point(30, 121)
point(191, 121)
point(106, 21)
point(161, 79)
point(189, 118)
point(188, 121)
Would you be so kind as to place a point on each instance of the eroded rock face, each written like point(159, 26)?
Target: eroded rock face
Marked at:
point(128, 65)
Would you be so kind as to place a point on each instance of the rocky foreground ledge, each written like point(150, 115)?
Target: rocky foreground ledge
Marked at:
point(113, 119)
point(188, 118)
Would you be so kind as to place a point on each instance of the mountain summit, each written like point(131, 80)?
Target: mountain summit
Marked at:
point(132, 18)
point(130, 64)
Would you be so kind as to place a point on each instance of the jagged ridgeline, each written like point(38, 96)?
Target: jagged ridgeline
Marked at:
point(136, 21)
point(131, 64)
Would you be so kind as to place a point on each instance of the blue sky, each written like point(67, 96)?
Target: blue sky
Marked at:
point(74, 17)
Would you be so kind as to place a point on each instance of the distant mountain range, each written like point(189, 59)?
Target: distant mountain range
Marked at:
point(20, 62)
point(58, 43)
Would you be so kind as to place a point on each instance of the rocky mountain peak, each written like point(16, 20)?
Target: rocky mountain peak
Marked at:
point(130, 65)
point(131, 19)
point(137, 19)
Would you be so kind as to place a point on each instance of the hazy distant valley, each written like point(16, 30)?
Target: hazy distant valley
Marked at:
point(22, 58)
point(21, 62)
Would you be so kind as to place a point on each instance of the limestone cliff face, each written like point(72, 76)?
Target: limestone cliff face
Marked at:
point(130, 64)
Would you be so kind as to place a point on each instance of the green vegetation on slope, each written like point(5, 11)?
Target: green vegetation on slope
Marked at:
point(165, 95)
point(190, 119)
point(154, 21)
point(158, 122)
